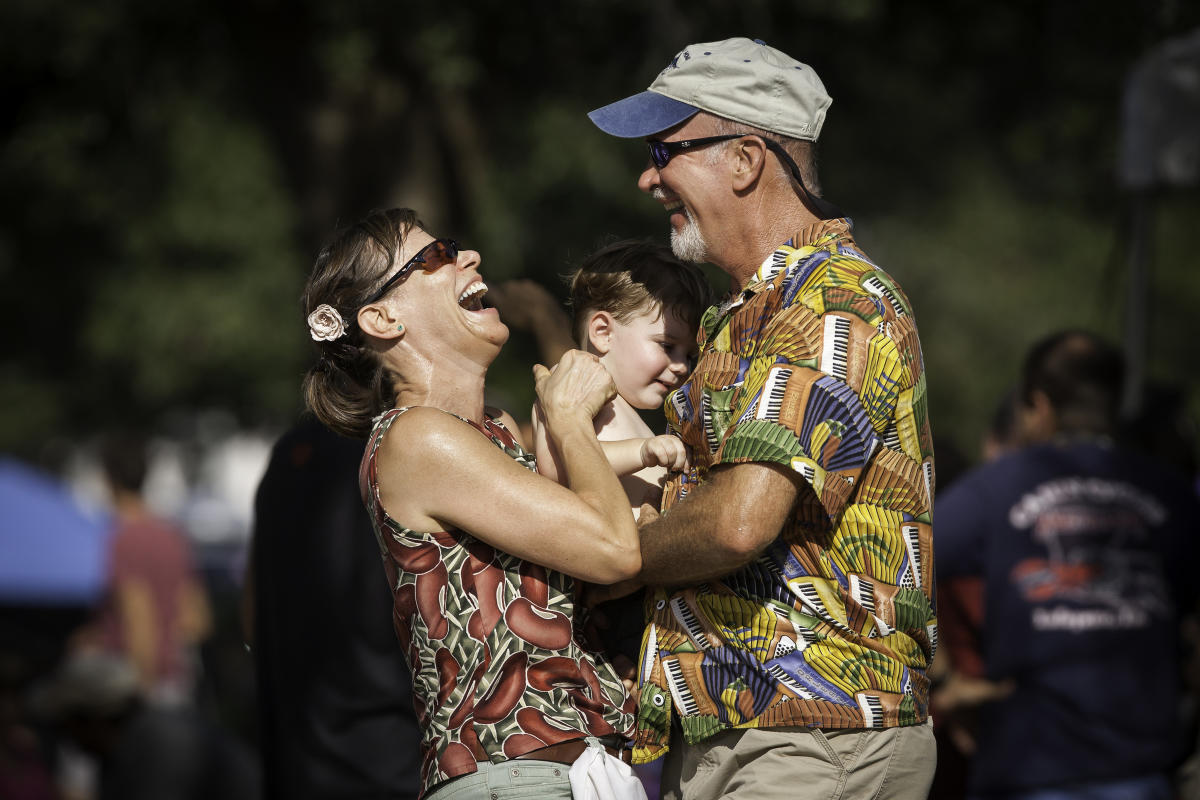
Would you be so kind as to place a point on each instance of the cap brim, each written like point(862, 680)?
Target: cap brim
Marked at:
point(641, 115)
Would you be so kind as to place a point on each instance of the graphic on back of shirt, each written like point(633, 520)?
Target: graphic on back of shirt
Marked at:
point(1091, 565)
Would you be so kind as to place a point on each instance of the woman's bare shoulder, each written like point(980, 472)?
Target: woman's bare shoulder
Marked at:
point(423, 428)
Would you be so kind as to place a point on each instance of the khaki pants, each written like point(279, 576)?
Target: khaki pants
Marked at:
point(801, 763)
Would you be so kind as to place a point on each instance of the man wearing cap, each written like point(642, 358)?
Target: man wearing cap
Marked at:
point(790, 607)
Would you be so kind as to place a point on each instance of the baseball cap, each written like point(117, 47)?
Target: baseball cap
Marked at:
point(741, 79)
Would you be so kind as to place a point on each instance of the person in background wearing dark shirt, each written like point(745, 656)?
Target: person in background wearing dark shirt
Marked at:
point(334, 695)
point(1081, 554)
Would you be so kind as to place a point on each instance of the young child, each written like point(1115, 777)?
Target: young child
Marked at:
point(637, 308)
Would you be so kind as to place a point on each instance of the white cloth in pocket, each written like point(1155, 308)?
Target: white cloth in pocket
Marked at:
point(596, 775)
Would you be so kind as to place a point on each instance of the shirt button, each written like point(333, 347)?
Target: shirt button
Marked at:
point(660, 605)
point(557, 773)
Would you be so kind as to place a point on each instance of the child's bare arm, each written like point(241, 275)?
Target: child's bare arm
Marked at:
point(627, 456)
point(624, 455)
point(665, 451)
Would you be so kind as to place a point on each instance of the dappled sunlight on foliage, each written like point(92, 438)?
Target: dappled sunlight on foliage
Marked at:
point(168, 174)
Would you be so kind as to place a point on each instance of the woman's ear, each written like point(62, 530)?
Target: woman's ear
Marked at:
point(379, 321)
point(599, 332)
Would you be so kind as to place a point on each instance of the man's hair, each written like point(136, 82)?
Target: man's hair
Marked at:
point(124, 457)
point(802, 152)
point(1081, 374)
point(627, 277)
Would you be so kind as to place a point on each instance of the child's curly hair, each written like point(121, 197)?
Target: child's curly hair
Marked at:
point(628, 277)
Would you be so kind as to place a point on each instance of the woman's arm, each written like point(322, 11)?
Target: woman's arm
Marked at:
point(543, 449)
point(437, 472)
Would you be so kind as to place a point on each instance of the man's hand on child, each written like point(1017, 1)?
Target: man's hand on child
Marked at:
point(664, 451)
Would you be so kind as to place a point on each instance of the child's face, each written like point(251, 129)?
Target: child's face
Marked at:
point(648, 356)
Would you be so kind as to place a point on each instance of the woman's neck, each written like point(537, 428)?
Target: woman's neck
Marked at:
point(450, 382)
point(463, 395)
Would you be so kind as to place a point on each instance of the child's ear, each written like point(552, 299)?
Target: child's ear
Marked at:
point(599, 332)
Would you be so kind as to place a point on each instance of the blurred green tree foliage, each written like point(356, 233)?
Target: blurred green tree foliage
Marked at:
point(168, 172)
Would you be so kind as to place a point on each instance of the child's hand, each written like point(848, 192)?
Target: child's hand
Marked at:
point(664, 451)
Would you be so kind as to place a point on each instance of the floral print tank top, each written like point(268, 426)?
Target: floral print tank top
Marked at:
point(498, 656)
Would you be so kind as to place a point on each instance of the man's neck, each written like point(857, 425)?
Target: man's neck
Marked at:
point(766, 225)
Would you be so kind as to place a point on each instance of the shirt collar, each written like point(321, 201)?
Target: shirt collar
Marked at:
point(783, 260)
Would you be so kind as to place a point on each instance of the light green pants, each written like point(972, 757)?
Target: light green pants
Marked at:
point(519, 778)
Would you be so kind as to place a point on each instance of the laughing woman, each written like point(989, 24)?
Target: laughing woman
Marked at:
point(482, 554)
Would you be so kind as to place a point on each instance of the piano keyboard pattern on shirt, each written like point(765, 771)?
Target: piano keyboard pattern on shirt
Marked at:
point(872, 710)
point(706, 417)
point(687, 619)
point(685, 703)
point(774, 265)
point(807, 469)
point(911, 534)
point(791, 683)
point(880, 289)
point(891, 437)
point(927, 472)
point(835, 349)
point(812, 599)
point(770, 402)
point(863, 593)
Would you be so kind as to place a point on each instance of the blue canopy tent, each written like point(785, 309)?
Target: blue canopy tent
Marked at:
point(51, 552)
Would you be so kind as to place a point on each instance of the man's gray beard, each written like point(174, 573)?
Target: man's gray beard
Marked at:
point(688, 243)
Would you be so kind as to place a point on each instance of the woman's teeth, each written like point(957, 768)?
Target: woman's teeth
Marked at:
point(472, 298)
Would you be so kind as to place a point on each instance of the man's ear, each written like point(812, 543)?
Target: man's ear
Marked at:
point(599, 332)
point(749, 160)
point(379, 321)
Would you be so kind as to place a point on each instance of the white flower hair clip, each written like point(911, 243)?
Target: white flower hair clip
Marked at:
point(325, 324)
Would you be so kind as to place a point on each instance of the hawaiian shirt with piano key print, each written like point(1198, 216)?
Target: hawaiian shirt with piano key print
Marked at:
point(815, 366)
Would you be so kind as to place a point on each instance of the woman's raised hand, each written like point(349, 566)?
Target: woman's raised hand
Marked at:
point(577, 384)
